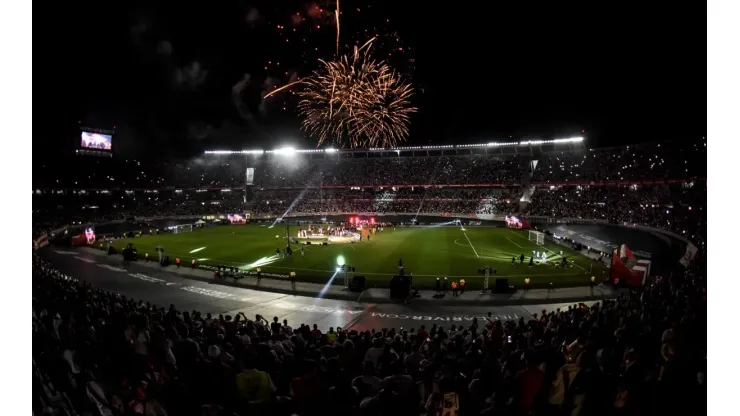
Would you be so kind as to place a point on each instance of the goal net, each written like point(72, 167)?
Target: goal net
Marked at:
point(182, 228)
point(537, 237)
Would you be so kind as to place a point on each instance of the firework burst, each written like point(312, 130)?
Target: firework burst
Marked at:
point(356, 101)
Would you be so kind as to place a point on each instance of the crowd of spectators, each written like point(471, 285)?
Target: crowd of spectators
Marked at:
point(680, 208)
point(645, 162)
point(117, 189)
point(657, 161)
point(677, 207)
point(294, 172)
point(390, 200)
point(96, 206)
point(103, 353)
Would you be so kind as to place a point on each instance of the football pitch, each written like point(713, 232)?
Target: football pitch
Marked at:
point(427, 252)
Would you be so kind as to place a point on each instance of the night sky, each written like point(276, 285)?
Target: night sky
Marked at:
point(177, 78)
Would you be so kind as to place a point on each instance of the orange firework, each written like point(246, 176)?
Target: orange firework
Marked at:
point(356, 101)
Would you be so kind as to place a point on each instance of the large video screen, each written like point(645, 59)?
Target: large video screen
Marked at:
point(236, 219)
point(96, 141)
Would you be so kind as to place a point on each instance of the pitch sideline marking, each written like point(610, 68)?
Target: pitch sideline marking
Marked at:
point(512, 242)
point(471, 245)
point(543, 246)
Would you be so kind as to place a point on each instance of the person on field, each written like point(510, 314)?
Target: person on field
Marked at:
point(462, 286)
point(454, 288)
point(177, 262)
point(592, 284)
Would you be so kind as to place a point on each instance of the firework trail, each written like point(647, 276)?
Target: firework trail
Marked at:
point(275, 91)
point(336, 13)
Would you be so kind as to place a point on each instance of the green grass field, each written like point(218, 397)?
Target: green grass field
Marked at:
point(427, 252)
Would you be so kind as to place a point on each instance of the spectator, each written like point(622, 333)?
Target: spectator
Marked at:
point(255, 387)
point(367, 384)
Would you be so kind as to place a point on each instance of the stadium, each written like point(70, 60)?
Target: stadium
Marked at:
point(444, 211)
point(338, 208)
point(519, 223)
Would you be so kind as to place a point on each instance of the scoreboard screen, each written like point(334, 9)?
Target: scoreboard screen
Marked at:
point(513, 222)
point(236, 218)
point(362, 220)
point(96, 141)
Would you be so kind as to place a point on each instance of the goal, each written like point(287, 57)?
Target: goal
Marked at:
point(177, 229)
point(537, 237)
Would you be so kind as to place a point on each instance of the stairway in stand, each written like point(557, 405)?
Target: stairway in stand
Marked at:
point(527, 188)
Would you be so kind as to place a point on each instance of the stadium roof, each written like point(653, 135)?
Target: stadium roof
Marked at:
point(291, 150)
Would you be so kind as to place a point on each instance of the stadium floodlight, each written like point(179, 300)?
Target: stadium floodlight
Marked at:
point(331, 150)
point(286, 151)
point(568, 140)
point(234, 152)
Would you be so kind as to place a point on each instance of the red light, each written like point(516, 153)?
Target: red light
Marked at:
point(372, 220)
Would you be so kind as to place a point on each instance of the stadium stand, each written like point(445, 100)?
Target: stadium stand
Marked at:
point(100, 353)
point(661, 185)
point(645, 352)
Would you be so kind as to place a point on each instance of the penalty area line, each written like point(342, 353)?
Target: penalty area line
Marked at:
point(534, 244)
point(471, 245)
point(554, 253)
point(512, 242)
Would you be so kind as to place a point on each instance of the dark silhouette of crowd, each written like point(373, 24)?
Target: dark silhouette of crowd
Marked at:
point(102, 353)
